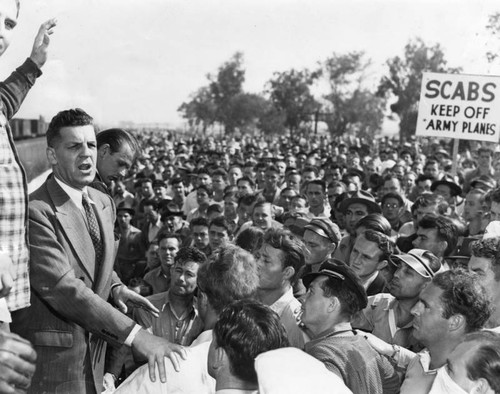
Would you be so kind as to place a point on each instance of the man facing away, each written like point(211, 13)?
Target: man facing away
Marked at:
point(244, 330)
point(231, 274)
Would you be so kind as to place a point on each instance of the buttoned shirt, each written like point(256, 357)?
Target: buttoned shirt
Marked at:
point(379, 317)
point(419, 377)
point(176, 329)
point(288, 309)
point(158, 280)
point(13, 186)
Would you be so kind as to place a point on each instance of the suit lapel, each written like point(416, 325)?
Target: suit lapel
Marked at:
point(73, 225)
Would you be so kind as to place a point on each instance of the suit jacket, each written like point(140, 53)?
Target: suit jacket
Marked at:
point(377, 286)
point(70, 318)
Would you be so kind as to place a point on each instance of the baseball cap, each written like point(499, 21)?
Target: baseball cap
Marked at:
point(325, 228)
point(419, 260)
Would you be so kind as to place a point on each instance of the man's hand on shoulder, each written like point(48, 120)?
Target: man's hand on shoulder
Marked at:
point(154, 349)
point(41, 44)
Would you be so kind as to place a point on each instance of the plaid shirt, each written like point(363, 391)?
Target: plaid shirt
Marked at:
point(13, 186)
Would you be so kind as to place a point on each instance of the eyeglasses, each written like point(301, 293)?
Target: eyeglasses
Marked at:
point(391, 206)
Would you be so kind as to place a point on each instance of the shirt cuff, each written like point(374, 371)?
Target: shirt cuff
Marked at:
point(131, 336)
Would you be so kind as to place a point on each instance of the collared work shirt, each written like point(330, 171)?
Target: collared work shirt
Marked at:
point(176, 329)
point(379, 317)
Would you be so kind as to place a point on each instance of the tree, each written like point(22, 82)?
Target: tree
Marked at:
point(227, 84)
point(405, 78)
point(493, 27)
point(291, 96)
point(244, 112)
point(349, 107)
point(200, 110)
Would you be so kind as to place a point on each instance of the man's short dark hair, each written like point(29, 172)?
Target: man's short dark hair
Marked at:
point(489, 248)
point(189, 254)
point(199, 221)
point(244, 330)
point(384, 243)
point(311, 169)
point(220, 221)
point(167, 235)
point(318, 182)
point(230, 274)
point(376, 222)
point(446, 230)
point(150, 202)
point(116, 139)
point(464, 295)
point(291, 246)
point(221, 172)
point(429, 199)
point(68, 118)
point(395, 196)
point(246, 179)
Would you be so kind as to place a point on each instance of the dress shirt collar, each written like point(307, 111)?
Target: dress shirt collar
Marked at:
point(281, 303)
point(370, 280)
point(74, 194)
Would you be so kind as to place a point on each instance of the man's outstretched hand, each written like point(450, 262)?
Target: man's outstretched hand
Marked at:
point(154, 349)
point(42, 41)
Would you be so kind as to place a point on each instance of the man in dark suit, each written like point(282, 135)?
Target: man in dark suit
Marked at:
point(72, 249)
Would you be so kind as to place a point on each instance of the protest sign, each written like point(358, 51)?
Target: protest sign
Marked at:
point(459, 106)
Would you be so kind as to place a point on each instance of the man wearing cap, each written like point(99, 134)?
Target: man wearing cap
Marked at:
point(370, 255)
point(321, 237)
point(334, 295)
point(354, 208)
point(130, 258)
point(388, 316)
point(485, 261)
point(448, 188)
point(281, 258)
point(173, 220)
point(160, 190)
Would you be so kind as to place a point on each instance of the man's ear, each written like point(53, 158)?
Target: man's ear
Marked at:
point(103, 149)
point(220, 356)
point(443, 245)
point(289, 272)
point(456, 322)
point(334, 304)
point(381, 265)
point(51, 156)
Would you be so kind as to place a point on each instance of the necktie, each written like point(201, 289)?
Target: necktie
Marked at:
point(94, 231)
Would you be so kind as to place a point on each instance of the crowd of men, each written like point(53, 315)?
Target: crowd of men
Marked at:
point(244, 265)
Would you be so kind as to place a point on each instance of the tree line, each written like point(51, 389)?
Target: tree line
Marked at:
point(348, 104)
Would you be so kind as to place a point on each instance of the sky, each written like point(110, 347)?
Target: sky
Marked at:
point(131, 60)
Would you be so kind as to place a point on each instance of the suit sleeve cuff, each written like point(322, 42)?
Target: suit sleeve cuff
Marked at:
point(131, 336)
